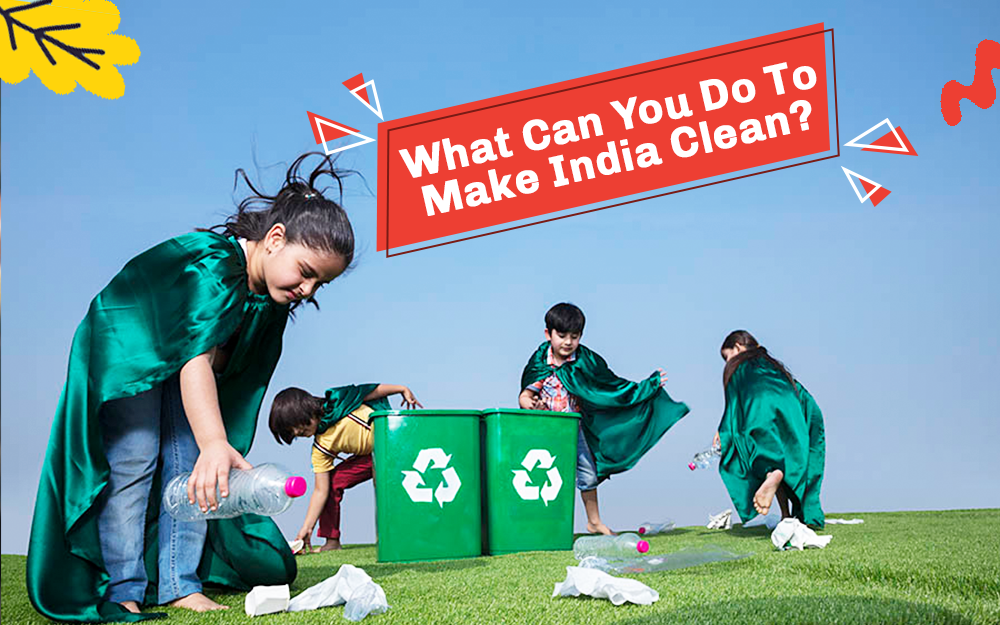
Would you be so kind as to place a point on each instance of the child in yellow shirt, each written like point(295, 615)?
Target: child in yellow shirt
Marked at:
point(340, 424)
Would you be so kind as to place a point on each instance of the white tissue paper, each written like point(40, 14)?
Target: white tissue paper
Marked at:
point(793, 534)
point(296, 545)
point(350, 585)
point(266, 600)
point(845, 521)
point(721, 521)
point(600, 585)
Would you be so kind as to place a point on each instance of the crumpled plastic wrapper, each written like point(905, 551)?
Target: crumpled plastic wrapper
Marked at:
point(350, 586)
point(600, 585)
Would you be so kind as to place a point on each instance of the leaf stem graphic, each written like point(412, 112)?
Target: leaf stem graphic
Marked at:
point(42, 35)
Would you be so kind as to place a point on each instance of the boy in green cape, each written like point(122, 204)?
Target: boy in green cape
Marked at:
point(621, 420)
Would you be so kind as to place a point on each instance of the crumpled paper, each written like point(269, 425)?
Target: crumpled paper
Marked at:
point(350, 585)
point(793, 534)
point(266, 600)
point(600, 585)
point(721, 521)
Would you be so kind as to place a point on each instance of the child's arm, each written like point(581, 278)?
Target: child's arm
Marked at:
point(387, 390)
point(316, 503)
point(201, 405)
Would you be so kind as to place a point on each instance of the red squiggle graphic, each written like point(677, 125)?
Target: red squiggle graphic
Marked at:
point(982, 92)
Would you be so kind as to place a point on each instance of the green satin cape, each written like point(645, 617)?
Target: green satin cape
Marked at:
point(168, 305)
point(622, 420)
point(769, 425)
point(343, 400)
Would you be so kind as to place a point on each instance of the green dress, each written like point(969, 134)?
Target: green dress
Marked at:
point(770, 425)
point(622, 420)
point(341, 401)
point(168, 305)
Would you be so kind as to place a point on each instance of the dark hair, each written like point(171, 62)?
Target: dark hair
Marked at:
point(309, 217)
point(565, 318)
point(293, 408)
point(754, 350)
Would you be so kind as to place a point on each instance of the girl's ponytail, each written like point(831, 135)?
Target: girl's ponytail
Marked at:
point(309, 217)
point(753, 349)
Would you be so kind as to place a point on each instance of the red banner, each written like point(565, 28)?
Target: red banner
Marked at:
point(597, 138)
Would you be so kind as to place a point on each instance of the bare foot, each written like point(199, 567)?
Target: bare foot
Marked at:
point(197, 602)
point(332, 544)
point(599, 528)
point(131, 606)
point(765, 494)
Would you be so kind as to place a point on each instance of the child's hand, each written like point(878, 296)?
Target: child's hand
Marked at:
point(537, 403)
point(409, 399)
point(305, 535)
point(663, 376)
point(211, 469)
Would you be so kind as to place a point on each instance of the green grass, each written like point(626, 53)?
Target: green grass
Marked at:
point(899, 567)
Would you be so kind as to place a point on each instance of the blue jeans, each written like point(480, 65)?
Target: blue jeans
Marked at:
point(586, 467)
point(136, 431)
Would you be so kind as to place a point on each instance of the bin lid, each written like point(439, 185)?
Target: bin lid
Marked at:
point(531, 413)
point(425, 413)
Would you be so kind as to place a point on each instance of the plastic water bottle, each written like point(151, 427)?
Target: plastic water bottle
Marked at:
point(652, 529)
point(610, 547)
point(266, 489)
point(690, 556)
point(703, 459)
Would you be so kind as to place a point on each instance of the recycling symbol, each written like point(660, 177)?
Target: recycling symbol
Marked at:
point(542, 459)
point(413, 481)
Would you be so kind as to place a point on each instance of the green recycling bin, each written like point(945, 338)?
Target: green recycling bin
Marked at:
point(427, 484)
point(529, 464)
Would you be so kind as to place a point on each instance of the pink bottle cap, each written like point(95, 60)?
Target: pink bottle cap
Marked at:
point(295, 486)
point(691, 466)
point(642, 530)
point(642, 546)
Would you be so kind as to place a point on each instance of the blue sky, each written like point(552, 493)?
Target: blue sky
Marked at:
point(888, 314)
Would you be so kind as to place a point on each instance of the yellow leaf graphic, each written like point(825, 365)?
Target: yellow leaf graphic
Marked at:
point(65, 43)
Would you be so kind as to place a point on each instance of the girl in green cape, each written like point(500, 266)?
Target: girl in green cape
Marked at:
point(772, 437)
point(167, 373)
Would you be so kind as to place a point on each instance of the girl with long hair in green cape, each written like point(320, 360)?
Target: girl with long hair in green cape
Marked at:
point(771, 434)
point(166, 375)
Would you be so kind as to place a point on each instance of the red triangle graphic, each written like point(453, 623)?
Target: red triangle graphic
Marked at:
point(354, 83)
point(889, 140)
point(329, 132)
point(879, 195)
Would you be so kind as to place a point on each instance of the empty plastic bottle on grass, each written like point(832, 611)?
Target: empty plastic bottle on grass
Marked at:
point(621, 546)
point(266, 489)
point(690, 556)
point(652, 529)
point(703, 459)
